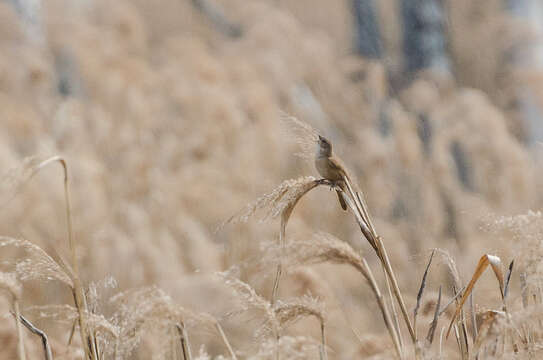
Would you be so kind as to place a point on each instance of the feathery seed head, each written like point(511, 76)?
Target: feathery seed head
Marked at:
point(302, 134)
point(39, 265)
point(277, 201)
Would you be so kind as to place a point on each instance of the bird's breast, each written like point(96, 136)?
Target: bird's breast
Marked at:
point(326, 170)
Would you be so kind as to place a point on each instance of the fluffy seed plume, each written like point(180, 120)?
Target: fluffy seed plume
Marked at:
point(278, 200)
point(303, 134)
point(39, 265)
point(321, 247)
point(251, 300)
point(451, 265)
point(288, 312)
point(150, 309)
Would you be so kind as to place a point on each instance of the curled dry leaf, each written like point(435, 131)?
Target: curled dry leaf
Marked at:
point(485, 260)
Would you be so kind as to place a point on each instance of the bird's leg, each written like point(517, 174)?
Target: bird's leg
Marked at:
point(335, 185)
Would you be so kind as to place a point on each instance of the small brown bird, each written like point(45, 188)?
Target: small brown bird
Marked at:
point(330, 167)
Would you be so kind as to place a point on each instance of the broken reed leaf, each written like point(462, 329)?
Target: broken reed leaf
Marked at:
point(422, 287)
point(508, 279)
point(485, 260)
point(275, 202)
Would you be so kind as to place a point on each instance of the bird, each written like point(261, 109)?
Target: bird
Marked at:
point(331, 167)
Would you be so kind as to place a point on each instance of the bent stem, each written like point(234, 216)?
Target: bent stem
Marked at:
point(78, 293)
point(285, 216)
point(44, 340)
point(359, 208)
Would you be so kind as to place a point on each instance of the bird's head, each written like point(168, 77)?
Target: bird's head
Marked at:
point(324, 147)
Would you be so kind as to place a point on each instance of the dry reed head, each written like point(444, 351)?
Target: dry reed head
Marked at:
point(144, 311)
point(249, 299)
point(451, 266)
point(152, 302)
point(38, 265)
point(525, 231)
point(303, 134)
point(319, 248)
point(288, 312)
point(175, 140)
point(277, 201)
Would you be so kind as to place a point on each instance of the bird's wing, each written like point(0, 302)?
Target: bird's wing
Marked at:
point(337, 165)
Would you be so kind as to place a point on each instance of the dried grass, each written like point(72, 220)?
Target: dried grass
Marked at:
point(9, 283)
point(171, 128)
point(37, 265)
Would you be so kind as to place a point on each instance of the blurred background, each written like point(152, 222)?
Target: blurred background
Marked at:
point(169, 115)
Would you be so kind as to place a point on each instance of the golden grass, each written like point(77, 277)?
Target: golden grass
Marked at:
point(170, 127)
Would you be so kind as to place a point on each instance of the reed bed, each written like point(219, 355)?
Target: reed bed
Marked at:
point(171, 117)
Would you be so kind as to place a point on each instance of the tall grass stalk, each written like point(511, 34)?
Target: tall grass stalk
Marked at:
point(87, 337)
